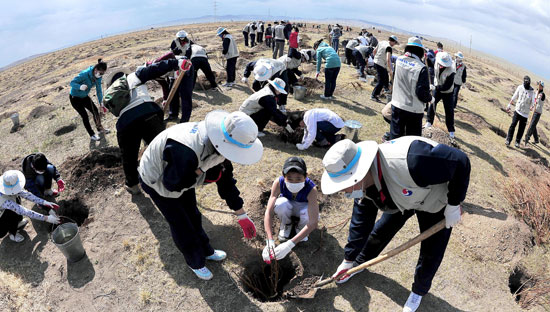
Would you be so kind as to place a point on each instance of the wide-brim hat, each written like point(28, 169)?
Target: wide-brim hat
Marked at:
point(263, 72)
point(443, 59)
point(415, 42)
point(347, 163)
point(459, 55)
point(279, 84)
point(112, 72)
point(219, 31)
point(235, 136)
point(12, 182)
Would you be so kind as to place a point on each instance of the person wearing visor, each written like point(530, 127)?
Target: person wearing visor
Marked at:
point(189, 155)
point(407, 176)
point(262, 106)
point(292, 195)
point(11, 212)
point(524, 99)
point(443, 90)
point(39, 172)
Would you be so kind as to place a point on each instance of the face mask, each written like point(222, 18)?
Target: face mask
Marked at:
point(295, 187)
point(355, 193)
point(98, 75)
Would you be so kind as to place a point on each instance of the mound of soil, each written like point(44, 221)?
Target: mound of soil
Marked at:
point(286, 136)
point(98, 170)
point(535, 157)
point(470, 87)
point(500, 132)
point(40, 111)
point(302, 287)
point(247, 55)
point(477, 121)
point(437, 135)
point(495, 102)
point(65, 129)
point(311, 84)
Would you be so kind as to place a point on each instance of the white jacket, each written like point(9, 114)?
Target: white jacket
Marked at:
point(523, 99)
point(312, 117)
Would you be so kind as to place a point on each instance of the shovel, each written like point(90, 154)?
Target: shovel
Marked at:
point(422, 236)
point(174, 90)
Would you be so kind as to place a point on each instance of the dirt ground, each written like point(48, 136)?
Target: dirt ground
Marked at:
point(132, 263)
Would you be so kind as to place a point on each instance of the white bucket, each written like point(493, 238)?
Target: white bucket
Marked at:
point(300, 92)
point(15, 119)
point(351, 130)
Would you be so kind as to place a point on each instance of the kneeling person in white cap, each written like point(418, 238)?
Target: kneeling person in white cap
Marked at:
point(188, 155)
point(262, 106)
point(11, 213)
point(292, 195)
point(443, 86)
point(403, 177)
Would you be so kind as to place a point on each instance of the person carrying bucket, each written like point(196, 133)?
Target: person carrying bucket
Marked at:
point(407, 176)
point(11, 212)
point(189, 155)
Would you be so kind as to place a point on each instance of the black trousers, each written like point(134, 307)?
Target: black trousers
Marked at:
point(185, 221)
point(203, 64)
point(449, 111)
point(261, 118)
point(349, 57)
point(269, 41)
point(383, 80)
point(331, 74)
point(185, 91)
point(532, 131)
point(245, 35)
point(405, 123)
point(252, 40)
point(8, 222)
point(230, 68)
point(260, 37)
point(360, 61)
point(456, 89)
point(83, 104)
point(129, 141)
point(517, 118)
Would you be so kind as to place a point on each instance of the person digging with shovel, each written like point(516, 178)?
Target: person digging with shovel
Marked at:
point(11, 212)
point(407, 176)
point(189, 155)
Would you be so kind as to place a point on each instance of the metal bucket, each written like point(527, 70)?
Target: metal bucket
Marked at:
point(351, 130)
point(300, 92)
point(66, 237)
point(15, 119)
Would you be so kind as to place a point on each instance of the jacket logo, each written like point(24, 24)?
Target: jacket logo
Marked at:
point(406, 192)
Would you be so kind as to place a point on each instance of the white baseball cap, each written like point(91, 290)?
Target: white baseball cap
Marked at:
point(12, 182)
point(443, 59)
point(279, 84)
point(346, 163)
point(262, 72)
point(235, 136)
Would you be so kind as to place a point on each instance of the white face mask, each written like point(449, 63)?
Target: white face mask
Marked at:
point(98, 75)
point(355, 193)
point(295, 187)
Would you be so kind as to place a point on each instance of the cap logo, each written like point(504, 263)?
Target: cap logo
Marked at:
point(230, 139)
point(348, 167)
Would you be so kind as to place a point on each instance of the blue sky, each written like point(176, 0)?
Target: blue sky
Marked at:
point(518, 31)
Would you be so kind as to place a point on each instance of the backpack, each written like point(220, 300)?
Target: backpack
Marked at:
point(117, 96)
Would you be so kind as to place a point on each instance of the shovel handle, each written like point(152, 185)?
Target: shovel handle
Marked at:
point(173, 90)
point(397, 250)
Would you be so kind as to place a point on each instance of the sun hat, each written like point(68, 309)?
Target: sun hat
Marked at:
point(415, 42)
point(219, 31)
point(459, 55)
point(394, 38)
point(443, 59)
point(263, 71)
point(12, 182)
point(346, 163)
point(295, 163)
point(114, 71)
point(279, 84)
point(182, 34)
point(235, 136)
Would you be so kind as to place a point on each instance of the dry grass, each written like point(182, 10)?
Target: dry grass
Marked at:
point(14, 293)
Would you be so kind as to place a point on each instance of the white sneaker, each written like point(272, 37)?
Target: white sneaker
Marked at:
point(452, 135)
point(203, 273)
point(18, 238)
point(227, 85)
point(326, 97)
point(427, 125)
point(284, 232)
point(261, 134)
point(105, 131)
point(412, 303)
point(95, 137)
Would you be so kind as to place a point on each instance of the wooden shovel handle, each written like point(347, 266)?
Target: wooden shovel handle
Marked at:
point(397, 250)
point(173, 90)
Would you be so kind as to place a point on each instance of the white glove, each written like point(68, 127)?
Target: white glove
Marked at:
point(83, 87)
point(52, 219)
point(284, 249)
point(289, 128)
point(300, 146)
point(211, 162)
point(244, 80)
point(432, 87)
point(343, 267)
point(452, 215)
point(268, 252)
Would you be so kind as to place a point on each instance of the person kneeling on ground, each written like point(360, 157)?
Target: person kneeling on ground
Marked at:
point(524, 99)
point(139, 117)
point(320, 126)
point(292, 195)
point(186, 156)
point(262, 106)
point(407, 176)
point(39, 172)
point(11, 212)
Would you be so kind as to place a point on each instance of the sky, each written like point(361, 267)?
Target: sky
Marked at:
point(518, 31)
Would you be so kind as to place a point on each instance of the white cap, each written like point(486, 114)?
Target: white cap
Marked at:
point(12, 182)
point(443, 59)
point(459, 55)
point(262, 72)
point(181, 34)
point(235, 136)
point(279, 84)
point(347, 163)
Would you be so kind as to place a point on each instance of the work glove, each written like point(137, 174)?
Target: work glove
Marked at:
point(60, 185)
point(83, 87)
point(432, 87)
point(103, 109)
point(268, 253)
point(452, 215)
point(300, 146)
point(249, 229)
point(184, 64)
point(50, 205)
point(289, 129)
point(284, 249)
point(244, 80)
point(52, 219)
point(343, 268)
point(211, 162)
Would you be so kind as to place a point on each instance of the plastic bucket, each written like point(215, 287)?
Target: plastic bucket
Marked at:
point(66, 237)
point(15, 119)
point(351, 129)
point(300, 92)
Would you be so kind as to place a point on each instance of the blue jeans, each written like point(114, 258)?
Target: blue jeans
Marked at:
point(334, 44)
point(326, 130)
point(41, 182)
point(330, 80)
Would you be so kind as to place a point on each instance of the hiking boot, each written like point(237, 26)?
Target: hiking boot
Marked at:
point(134, 190)
point(95, 137)
point(284, 232)
point(18, 238)
point(22, 224)
point(412, 303)
point(51, 192)
point(218, 255)
point(516, 144)
point(507, 143)
point(203, 273)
